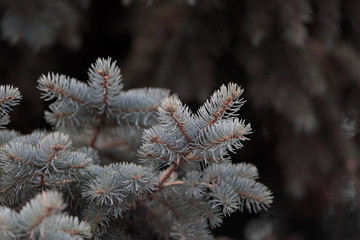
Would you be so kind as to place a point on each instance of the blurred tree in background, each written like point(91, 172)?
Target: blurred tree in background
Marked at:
point(298, 61)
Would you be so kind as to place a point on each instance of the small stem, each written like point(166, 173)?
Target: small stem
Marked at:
point(178, 183)
point(174, 183)
point(96, 133)
point(168, 172)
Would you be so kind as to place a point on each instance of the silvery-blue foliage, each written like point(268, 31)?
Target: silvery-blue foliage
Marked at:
point(181, 176)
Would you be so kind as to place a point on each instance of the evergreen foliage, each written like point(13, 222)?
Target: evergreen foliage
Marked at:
point(298, 61)
point(181, 176)
point(42, 218)
point(9, 96)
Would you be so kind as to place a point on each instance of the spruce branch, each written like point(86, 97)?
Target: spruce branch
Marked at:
point(222, 137)
point(139, 106)
point(65, 114)
point(97, 216)
point(181, 133)
point(98, 104)
point(42, 216)
point(184, 180)
point(39, 160)
point(231, 187)
point(105, 83)
point(176, 117)
point(225, 102)
point(182, 210)
point(8, 222)
point(69, 227)
point(230, 184)
point(104, 189)
point(225, 197)
point(183, 138)
point(185, 230)
point(56, 86)
point(9, 97)
point(211, 213)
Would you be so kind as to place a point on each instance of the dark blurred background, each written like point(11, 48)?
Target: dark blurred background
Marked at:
point(298, 61)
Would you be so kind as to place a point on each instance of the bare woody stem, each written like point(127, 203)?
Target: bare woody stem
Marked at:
point(96, 133)
point(168, 172)
point(174, 183)
point(179, 182)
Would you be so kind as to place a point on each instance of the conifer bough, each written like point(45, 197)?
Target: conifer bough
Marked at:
point(118, 158)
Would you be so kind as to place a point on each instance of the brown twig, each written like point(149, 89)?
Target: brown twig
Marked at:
point(168, 172)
